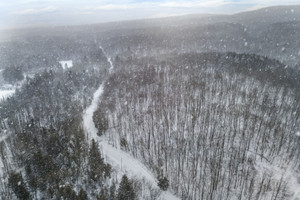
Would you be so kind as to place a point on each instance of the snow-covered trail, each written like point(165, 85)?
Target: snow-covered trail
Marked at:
point(88, 123)
point(119, 159)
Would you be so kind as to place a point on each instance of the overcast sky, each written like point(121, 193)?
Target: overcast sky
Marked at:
point(15, 13)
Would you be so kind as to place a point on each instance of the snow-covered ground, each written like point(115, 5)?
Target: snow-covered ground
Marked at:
point(88, 123)
point(4, 93)
point(120, 160)
point(280, 171)
point(7, 90)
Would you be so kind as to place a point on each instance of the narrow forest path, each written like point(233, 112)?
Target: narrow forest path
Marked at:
point(120, 160)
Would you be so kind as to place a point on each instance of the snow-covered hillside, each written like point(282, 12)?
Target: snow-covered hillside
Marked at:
point(195, 107)
point(121, 161)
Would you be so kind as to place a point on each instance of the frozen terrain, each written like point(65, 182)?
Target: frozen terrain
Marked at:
point(120, 160)
point(7, 90)
point(4, 93)
point(210, 102)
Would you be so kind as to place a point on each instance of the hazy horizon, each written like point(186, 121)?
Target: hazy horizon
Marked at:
point(32, 13)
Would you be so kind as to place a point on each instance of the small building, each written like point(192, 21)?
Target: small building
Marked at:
point(65, 64)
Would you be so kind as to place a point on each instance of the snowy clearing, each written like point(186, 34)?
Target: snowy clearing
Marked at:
point(119, 159)
point(8, 89)
point(6, 93)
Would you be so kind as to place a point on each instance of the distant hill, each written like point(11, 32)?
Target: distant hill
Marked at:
point(269, 15)
point(267, 32)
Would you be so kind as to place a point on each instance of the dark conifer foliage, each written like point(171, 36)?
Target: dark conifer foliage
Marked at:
point(44, 120)
point(163, 183)
point(18, 186)
point(82, 195)
point(126, 191)
point(101, 122)
point(98, 170)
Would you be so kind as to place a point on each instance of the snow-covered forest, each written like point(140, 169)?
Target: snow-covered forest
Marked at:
point(190, 107)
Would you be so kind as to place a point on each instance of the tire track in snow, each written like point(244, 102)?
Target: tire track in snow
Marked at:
point(119, 159)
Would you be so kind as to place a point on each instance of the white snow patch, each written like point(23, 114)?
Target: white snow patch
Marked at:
point(3, 137)
point(297, 133)
point(7, 90)
point(125, 162)
point(66, 64)
point(280, 172)
point(109, 60)
point(167, 196)
point(6, 93)
point(88, 123)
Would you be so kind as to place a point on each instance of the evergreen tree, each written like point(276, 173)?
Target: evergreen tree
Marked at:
point(103, 195)
point(126, 191)
point(67, 193)
point(82, 195)
point(163, 183)
point(101, 121)
point(16, 183)
point(96, 163)
point(112, 191)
